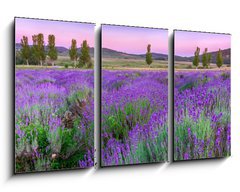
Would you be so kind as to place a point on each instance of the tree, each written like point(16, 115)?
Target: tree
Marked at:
point(38, 49)
point(196, 57)
point(52, 51)
point(219, 60)
point(149, 59)
point(85, 58)
point(19, 59)
point(209, 58)
point(34, 49)
point(25, 50)
point(205, 58)
point(41, 50)
point(73, 52)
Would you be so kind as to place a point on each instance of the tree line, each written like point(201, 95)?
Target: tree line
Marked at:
point(37, 54)
point(206, 58)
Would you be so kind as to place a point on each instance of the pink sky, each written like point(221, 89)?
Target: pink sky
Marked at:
point(134, 39)
point(64, 31)
point(186, 42)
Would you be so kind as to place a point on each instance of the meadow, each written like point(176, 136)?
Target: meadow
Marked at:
point(54, 115)
point(117, 64)
point(202, 114)
point(186, 65)
point(134, 126)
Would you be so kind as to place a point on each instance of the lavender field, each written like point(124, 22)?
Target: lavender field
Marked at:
point(202, 115)
point(134, 117)
point(54, 116)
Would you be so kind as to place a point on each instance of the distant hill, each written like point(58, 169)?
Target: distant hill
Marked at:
point(226, 57)
point(62, 51)
point(110, 53)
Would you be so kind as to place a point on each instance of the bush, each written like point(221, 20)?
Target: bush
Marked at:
point(66, 65)
point(80, 65)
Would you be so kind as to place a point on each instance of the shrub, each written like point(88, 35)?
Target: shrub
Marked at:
point(66, 65)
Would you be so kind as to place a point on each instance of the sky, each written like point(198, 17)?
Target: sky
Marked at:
point(64, 31)
point(186, 42)
point(134, 40)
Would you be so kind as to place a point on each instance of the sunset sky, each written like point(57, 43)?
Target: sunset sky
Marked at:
point(64, 31)
point(134, 39)
point(186, 42)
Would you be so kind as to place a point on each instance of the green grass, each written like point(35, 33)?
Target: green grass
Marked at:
point(188, 65)
point(132, 63)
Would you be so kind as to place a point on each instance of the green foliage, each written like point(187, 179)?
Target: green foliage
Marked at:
point(148, 151)
point(38, 50)
point(149, 59)
point(44, 148)
point(73, 52)
point(19, 60)
point(204, 58)
point(25, 50)
point(122, 121)
point(33, 60)
point(66, 65)
point(85, 58)
point(34, 50)
point(196, 57)
point(40, 41)
point(209, 58)
point(188, 85)
point(80, 64)
point(219, 61)
point(52, 51)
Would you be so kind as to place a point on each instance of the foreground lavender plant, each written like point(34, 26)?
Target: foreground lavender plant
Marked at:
point(134, 117)
point(54, 119)
point(202, 115)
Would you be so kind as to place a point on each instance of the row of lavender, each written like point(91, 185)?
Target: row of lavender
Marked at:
point(202, 115)
point(134, 117)
point(54, 119)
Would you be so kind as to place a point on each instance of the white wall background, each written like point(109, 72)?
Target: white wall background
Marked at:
point(204, 15)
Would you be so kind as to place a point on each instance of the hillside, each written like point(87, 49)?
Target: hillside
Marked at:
point(109, 53)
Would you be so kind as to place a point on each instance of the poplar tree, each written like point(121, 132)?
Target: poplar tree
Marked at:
point(52, 51)
point(205, 58)
point(196, 57)
point(209, 58)
point(73, 52)
point(25, 50)
point(85, 58)
point(38, 49)
point(219, 60)
point(41, 49)
point(149, 59)
point(34, 49)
